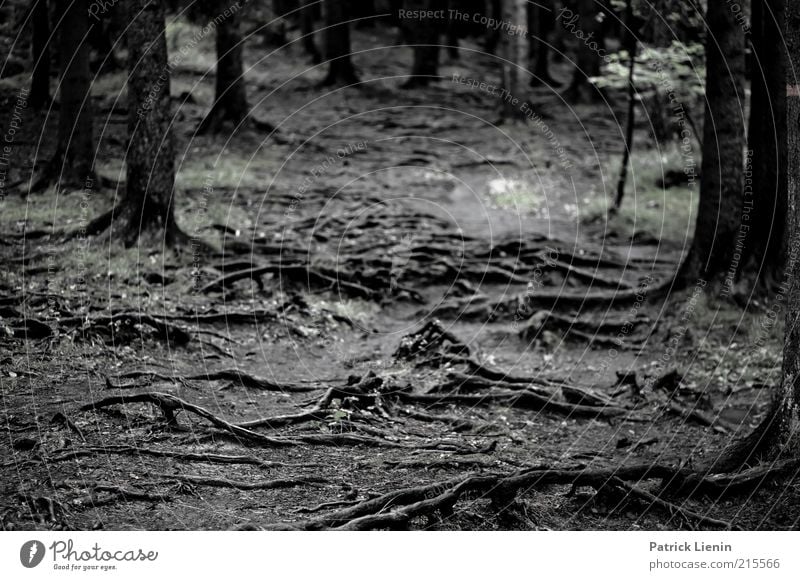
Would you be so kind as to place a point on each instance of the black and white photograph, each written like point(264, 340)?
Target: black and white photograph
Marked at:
point(516, 277)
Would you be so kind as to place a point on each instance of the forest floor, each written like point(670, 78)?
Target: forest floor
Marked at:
point(405, 293)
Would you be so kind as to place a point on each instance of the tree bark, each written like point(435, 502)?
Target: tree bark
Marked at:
point(423, 35)
point(717, 232)
point(512, 52)
point(307, 31)
point(766, 200)
point(40, 80)
point(230, 100)
point(73, 162)
point(788, 400)
point(588, 60)
point(631, 43)
point(540, 24)
point(337, 44)
point(147, 207)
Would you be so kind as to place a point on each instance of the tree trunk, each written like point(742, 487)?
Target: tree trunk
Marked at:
point(765, 200)
point(788, 400)
point(307, 31)
point(423, 35)
point(714, 247)
point(657, 33)
point(493, 35)
point(512, 53)
point(230, 100)
point(588, 57)
point(40, 81)
point(73, 162)
point(631, 43)
point(540, 24)
point(337, 44)
point(147, 207)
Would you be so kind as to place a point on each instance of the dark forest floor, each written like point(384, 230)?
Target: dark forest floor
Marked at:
point(431, 212)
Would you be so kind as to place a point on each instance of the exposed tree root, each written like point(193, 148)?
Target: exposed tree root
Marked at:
point(243, 485)
point(549, 300)
point(697, 415)
point(318, 277)
point(216, 458)
point(234, 375)
point(521, 398)
point(164, 330)
point(396, 509)
point(609, 331)
point(169, 404)
point(430, 344)
point(674, 510)
point(117, 493)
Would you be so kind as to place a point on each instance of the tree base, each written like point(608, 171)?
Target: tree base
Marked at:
point(342, 77)
point(222, 120)
point(60, 171)
point(130, 231)
point(419, 81)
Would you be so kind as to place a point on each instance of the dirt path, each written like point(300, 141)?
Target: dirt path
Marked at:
point(315, 375)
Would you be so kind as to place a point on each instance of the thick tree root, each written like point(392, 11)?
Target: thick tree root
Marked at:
point(396, 509)
point(236, 376)
point(243, 485)
point(215, 458)
point(169, 404)
point(164, 330)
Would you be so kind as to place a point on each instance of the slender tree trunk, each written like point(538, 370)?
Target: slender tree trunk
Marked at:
point(230, 101)
point(631, 45)
point(73, 162)
point(423, 34)
point(765, 198)
point(147, 207)
point(40, 81)
point(788, 400)
point(337, 44)
point(307, 31)
point(658, 34)
point(588, 58)
point(101, 39)
point(493, 36)
point(453, 32)
point(512, 52)
point(540, 24)
point(717, 230)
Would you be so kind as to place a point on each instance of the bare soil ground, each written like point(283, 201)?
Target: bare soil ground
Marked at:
point(405, 293)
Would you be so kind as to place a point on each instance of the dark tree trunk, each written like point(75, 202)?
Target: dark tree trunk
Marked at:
point(230, 100)
point(147, 207)
point(101, 39)
point(540, 25)
point(788, 400)
point(364, 11)
point(765, 198)
point(40, 81)
point(631, 45)
point(587, 59)
point(713, 250)
point(423, 35)
point(307, 31)
point(512, 54)
point(657, 33)
point(337, 44)
point(493, 36)
point(452, 32)
point(73, 162)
